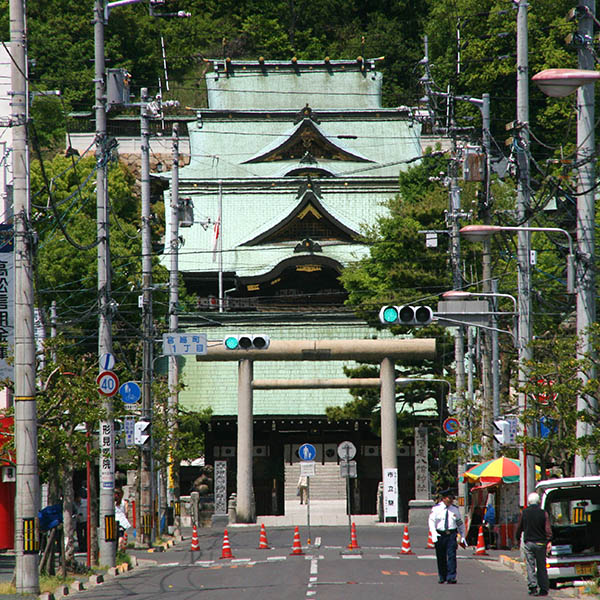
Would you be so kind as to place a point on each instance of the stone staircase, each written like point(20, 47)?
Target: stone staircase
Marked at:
point(325, 485)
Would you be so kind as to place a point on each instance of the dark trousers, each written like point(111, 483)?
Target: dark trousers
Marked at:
point(445, 552)
point(535, 560)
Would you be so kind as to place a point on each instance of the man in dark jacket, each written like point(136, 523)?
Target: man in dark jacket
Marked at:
point(534, 524)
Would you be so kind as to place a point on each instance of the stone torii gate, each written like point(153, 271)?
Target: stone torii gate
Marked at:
point(386, 352)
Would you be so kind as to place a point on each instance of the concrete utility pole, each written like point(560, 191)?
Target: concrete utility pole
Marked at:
point(146, 478)
point(586, 293)
point(28, 485)
point(453, 221)
point(173, 485)
point(527, 474)
point(107, 529)
point(490, 338)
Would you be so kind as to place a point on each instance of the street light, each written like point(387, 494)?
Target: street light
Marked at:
point(465, 295)
point(561, 82)
point(479, 233)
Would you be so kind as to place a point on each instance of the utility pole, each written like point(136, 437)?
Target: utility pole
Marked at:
point(173, 476)
point(490, 338)
point(453, 219)
point(28, 485)
point(527, 472)
point(107, 533)
point(146, 478)
point(586, 293)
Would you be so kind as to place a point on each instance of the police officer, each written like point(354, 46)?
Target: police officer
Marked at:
point(445, 523)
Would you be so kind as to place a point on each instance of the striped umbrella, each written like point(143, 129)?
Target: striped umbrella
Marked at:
point(502, 469)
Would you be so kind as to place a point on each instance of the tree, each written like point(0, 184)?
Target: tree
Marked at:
point(66, 411)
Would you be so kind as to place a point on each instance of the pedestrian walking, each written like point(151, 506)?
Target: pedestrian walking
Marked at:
point(445, 524)
point(303, 489)
point(81, 519)
point(534, 524)
point(489, 522)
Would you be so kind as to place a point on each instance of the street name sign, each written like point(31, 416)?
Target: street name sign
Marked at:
point(175, 344)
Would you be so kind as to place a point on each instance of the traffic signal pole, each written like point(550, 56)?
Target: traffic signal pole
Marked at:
point(246, 512)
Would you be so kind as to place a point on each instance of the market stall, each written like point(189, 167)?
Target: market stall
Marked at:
point(494, 501)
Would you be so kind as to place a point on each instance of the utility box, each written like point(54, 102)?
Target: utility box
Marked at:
point(117, 87)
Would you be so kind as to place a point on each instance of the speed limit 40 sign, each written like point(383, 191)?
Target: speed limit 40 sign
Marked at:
point(108, 383)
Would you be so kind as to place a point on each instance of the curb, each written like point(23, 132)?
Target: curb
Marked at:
point(96, 579)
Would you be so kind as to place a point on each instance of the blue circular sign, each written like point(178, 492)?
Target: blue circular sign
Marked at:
point(307, 452)
point(451, 426)
point(130, 392)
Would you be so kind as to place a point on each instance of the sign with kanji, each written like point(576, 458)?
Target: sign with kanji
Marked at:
point(175, 344)
point(107, 459)
point(390, 494)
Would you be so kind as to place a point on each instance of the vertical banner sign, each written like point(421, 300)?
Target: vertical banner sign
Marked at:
point(220, 487)
point(390, 494)
point(107, 461)
point(7, 301)
point(422, 491)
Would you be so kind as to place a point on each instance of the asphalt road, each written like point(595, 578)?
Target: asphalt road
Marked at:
point(326, 570)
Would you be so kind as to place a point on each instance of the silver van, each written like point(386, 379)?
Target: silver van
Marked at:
point(573, 504)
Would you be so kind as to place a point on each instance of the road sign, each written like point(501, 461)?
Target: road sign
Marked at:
point(108, 383)
point(130, 392)
point(129, 427)
point(141, 433)
point(547, 395)
point(451, 425)
point(184, 343)
point(106, 362)
point(307, 452)
point(346, 450)
point(348, 468)
point(307, 469)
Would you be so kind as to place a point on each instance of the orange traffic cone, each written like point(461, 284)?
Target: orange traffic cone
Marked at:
point(195, 545)
point(226, 552)
point(297, 546)
point(480, 549)
point(353, 545)
point(262, 543)
point(430, 543)
point(406, 542)
point(123, 542)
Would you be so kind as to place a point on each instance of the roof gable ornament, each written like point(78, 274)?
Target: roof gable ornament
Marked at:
point(306, 113)
point(306, 138)
point(309, 220)
point(308, 245)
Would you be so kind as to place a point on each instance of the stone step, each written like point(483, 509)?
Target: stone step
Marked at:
point(325, 485)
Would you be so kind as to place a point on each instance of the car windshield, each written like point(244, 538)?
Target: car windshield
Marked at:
point(575, 518)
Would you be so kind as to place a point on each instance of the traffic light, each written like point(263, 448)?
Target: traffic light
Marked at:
point(141, 432)
point(405, 315)
point(246, 342)
point(502, 432)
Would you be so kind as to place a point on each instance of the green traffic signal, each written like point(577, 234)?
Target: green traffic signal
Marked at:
point(247, 342)
point(388, 314)
point(231, 342)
